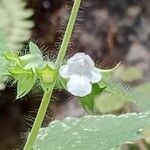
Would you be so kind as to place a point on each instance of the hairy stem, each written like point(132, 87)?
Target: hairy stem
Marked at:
point(38, 121)
point(68, 33)
point(47, 95)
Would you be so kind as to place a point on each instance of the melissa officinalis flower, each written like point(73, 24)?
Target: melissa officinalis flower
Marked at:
point(81, 73)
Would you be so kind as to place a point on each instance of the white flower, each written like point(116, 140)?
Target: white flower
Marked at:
point(81, 74)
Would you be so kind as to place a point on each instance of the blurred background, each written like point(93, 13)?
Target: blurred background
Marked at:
point(110, 32)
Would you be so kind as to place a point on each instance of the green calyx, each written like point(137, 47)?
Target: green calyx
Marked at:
point(28, 68)
point(47, 76)
point(25, 79)
point(24, 60)
point(18, 70)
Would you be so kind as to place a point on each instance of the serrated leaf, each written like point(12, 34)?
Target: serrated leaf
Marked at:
point(20, 31)
point(92, 132)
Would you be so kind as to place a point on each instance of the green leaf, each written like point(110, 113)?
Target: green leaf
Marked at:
point(18, 32)
point(34, 59)
point(121, 90)
point(34, 49)
point(24, 86)
point(27, 59)
point(92, 132)
point(87, 102)
point(96, 89)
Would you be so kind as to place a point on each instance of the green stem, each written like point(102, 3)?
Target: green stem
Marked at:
point(38, 121)
point(68, 33)
point(47, 95)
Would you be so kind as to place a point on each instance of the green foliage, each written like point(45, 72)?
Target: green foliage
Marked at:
point(124, 91)
point(107, 102)
point(25, 79)
point(15, 23)
point(47, 76)
point(27, 69)
point(87, 102)
point(88, 133)
point(114, 100)
point(15, 29)
point(35, 50)
point(92, 132)
point(33, 59)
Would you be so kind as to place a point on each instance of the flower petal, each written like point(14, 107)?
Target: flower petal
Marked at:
point(95, 75)
point(79, 86)
point(63, 71)
point(78, 57)
point(89, 60)
point(81, 65)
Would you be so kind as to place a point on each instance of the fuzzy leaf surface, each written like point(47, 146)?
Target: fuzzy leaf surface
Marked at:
point(92, 132)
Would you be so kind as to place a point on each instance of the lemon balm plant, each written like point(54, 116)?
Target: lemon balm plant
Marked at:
point(45, 80)
point(81, 78)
